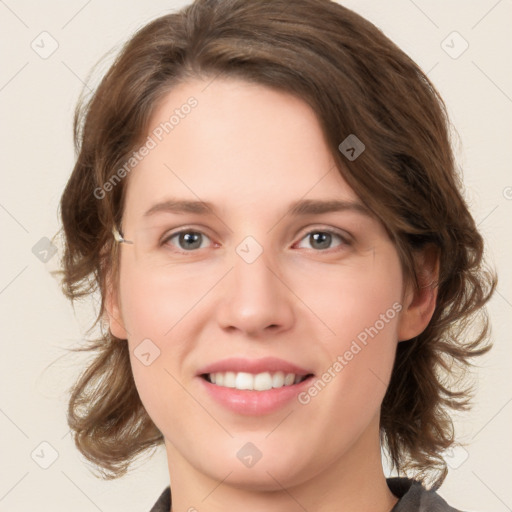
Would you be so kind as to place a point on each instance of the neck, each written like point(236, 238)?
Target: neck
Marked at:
point(352, 482)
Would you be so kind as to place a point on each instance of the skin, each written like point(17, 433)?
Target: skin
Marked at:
point(252, 151)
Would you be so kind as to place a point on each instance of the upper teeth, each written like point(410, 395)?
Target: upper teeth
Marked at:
point(258, 382)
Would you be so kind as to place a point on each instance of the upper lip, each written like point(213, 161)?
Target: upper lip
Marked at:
point(255, 366)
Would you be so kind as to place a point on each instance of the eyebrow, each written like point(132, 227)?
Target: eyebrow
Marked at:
point(298, 208)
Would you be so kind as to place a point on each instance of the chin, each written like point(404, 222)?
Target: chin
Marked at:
point(261, 466)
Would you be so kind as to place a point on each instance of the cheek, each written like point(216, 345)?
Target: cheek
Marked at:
point(353, 297)
point(154, 311)
point(160, 315)
point(155, 302)
point(361, 306)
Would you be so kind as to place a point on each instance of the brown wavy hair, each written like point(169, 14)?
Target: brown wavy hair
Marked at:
point(358, 82)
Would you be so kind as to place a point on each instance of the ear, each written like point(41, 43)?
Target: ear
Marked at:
point(419, 304)
point(113, 310)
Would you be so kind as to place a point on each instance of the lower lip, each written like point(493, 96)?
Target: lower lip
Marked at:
point(254, 403)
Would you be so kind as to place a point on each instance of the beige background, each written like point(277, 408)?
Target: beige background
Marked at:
point(37, 97)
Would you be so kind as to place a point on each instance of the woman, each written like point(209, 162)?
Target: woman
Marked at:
point(266, 198)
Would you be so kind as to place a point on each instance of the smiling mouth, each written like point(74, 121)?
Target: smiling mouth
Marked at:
point(254, 382)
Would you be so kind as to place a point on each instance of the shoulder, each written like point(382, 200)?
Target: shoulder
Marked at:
point(163, 504)
point(413, 497)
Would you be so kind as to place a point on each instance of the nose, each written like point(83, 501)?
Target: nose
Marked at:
point(256, 300)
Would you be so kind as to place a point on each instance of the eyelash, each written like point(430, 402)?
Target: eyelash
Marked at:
point(344, 239)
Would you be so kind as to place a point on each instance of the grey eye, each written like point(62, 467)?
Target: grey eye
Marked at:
point(322, 240)
point(188, 240)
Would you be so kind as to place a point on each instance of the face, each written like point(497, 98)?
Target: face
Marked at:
point(252, 290)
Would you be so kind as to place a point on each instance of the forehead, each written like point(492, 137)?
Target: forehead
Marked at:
point(241, 146)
